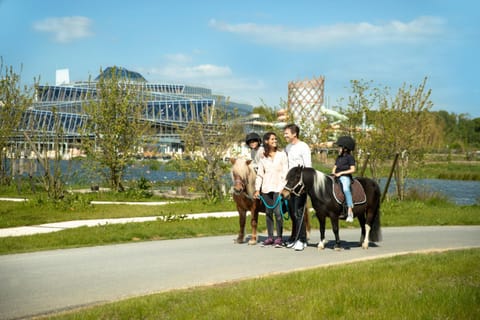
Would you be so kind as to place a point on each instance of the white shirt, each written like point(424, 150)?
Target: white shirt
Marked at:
point(272, 172)
point(256, 155)
point(299, 154)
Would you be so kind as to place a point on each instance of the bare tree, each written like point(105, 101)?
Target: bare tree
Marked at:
point(402, 125)
point(116, 124)
point(14, 100)
point(208, 141)
point(51, 134)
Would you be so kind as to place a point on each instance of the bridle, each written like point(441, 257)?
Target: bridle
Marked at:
point(299, 184)
point(239, 181)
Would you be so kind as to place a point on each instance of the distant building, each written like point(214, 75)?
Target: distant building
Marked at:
point(169, 108)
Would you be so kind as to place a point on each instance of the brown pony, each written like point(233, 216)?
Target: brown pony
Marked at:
point(243, 177)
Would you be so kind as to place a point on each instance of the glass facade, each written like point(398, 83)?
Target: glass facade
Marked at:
point(168, 107)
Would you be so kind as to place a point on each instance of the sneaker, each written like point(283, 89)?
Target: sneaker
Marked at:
point(299, 245)
point(278, 242)
point(290, 244)
point(268, 242)
point(350, 218)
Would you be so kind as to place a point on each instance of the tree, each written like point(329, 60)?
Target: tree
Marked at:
point(52, 133)
point(266, 112)
point(207, 141)
point(116, 125)
point(14, 100)
point(402, 125)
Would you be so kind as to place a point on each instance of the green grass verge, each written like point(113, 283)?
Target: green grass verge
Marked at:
point(34, 212)
point(394, 213)
point(416, 286)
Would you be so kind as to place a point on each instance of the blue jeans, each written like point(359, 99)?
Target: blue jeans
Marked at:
point(346, 182)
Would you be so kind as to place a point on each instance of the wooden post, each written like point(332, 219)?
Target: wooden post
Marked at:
point(364, 167)
point(390, 176)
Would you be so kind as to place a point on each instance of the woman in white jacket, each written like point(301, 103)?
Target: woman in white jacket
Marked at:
point(271, 174)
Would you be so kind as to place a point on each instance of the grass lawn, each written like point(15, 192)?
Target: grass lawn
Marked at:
point(416, 286)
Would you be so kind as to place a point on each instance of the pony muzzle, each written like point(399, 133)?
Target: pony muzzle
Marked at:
point(286, 193)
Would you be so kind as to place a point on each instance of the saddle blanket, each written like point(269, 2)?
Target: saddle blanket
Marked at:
point(358, 194)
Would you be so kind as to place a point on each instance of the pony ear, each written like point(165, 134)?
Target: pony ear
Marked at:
point(232, 160)
point(248, 162)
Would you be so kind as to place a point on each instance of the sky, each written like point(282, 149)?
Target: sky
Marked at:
point(249, 50)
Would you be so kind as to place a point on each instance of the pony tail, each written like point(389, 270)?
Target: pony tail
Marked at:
point(376, 231)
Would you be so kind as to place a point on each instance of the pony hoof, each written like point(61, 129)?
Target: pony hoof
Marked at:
point(365, 246)
point(321, 245)
point(252, 242)
point(238, 240)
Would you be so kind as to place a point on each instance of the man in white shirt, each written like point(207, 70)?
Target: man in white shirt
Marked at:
point(298, 153)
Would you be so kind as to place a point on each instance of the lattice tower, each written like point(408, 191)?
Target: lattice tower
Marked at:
point(305, 98)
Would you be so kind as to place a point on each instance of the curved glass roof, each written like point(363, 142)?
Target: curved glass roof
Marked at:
point(121, 73)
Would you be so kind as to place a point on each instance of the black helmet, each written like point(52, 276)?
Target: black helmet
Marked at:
point(346, 142)
point(252, 136)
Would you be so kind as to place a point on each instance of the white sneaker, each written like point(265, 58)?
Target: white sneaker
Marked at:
point(290, 244)
point(299, 246)
point(350, 218)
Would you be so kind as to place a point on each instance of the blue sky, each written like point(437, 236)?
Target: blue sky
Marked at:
point(249, 50)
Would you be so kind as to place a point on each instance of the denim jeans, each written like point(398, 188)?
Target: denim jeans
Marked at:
point(346, 182)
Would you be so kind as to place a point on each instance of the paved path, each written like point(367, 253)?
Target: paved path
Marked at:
point(44, 282)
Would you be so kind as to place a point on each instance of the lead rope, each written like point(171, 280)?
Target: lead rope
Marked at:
point(279, 199)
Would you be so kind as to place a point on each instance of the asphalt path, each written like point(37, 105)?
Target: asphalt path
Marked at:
point(45, 282)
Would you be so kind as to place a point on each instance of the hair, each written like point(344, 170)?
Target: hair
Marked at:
point(346, 150)
point(294, 129)
point(266, 147)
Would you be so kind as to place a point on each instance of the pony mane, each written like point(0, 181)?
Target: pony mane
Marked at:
point(319, 182)
point(246, 174)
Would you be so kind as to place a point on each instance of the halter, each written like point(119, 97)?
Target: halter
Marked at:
point(243, 189)
point(299, 184)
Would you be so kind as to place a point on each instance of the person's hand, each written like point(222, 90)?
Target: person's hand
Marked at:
point(256, 195)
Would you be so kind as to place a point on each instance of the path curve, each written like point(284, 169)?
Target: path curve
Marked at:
point(50, 281)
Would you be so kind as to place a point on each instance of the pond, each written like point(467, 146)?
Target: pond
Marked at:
point(458, 191)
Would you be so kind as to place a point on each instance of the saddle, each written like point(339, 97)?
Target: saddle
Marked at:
point(358, 194)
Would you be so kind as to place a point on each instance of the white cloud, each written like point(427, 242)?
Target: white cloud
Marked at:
point(65, 29)
point(220, 79)
point(325, 36)
point(179, 66)
point(189, 73)
point(178, 58)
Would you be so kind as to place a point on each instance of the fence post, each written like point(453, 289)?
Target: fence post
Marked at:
point(364, 167)
point(390, 176)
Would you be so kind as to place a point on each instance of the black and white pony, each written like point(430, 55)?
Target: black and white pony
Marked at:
point(319, 187)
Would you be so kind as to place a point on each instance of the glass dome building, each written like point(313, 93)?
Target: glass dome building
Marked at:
point(169, 107)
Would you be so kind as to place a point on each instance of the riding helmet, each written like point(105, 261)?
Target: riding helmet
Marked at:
point(346, 142)
point(252, 136)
